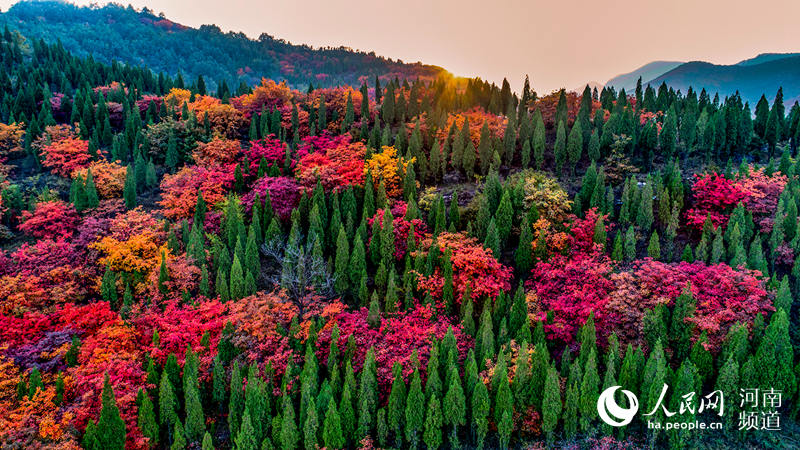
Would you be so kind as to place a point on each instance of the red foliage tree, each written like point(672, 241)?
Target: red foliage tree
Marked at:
point(270, 149)
point(50, 220)
point(395, 340)
point(401, 228)
point(762, 195)
point(714, 196)
point(335, 162)
point(473, 265)
point(180, 191)
point(283, 192)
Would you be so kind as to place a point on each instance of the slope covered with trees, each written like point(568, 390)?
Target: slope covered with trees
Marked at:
point(114, 32)
point(402, 263)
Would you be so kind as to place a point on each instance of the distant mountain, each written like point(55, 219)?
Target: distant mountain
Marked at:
point(751, 80)
point(592, 85)
point(646, 72)
point(765, 57)
point(114, 32)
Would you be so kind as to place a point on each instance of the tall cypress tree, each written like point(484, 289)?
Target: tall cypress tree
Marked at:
point(110, 432)
point(332, 429)
point(415, 410)
point(480, 413)
point(551, 404)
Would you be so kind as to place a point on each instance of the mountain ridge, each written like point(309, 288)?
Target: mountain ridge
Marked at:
point(114, 32)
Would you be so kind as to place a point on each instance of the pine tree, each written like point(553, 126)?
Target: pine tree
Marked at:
point(111, 431)
point(332, 429)
point(342, 262)
point(167, 404)
point(728, 383)
point(432, 435)
point(504, 216)
point(454, 407)
point(685, 381)
point(503, 401)
point(237, 285)
point(289, 435)
point(129, 191)
point(654, 248)
point(147, 418)
point(572, 402)
point(575, 145)
point(774, 355)
point(178, 437)
point(594, 146)
point(195, 419)
point(236, 401)
point(560, 148)
point(480, 413)
point(415, 410)
point(367, 395)
point(208, 443)
point(538, 140)
point(523, 256)
point(551, 404)
point(108, 287)
point(347, 414)
point(680, 330)
point(246, 439)
point(630, 244)
point(644, 215)
point(589, 392)
point(92, 199)
point(310, 429)
point(492, 240)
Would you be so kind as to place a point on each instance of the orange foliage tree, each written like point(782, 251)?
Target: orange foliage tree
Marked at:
point(67, 155)
point(223, 119)
point(267, 95)
point(180, 191)
point(109, 177)
point(10, 138)
point(216, 151)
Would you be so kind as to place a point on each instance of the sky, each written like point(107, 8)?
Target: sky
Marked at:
point(561, 43)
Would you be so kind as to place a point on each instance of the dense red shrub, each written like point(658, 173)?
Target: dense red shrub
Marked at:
point(723, 295)
point(714, 196)
point(473, 264)
point(572, 287)
point(50, 220)
point(180, 191)
point(335, 162)
point(180, 326)
point(401, 228)
point(270, 149)
point(395, 340)
point(216, 152)
point(283, 192)
point(762, 195)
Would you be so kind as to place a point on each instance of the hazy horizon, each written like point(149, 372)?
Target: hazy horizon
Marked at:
point(512, 38)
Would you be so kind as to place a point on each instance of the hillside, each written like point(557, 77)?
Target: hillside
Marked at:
point(388, 265)
point(765, 57)
point(140, 37)
point(646, 72)
point(750, 80)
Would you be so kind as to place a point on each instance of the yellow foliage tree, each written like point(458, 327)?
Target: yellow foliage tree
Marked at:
point(390, 168)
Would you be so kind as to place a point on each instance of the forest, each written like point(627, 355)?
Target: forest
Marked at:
point(116, 32)
point(421, 262)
